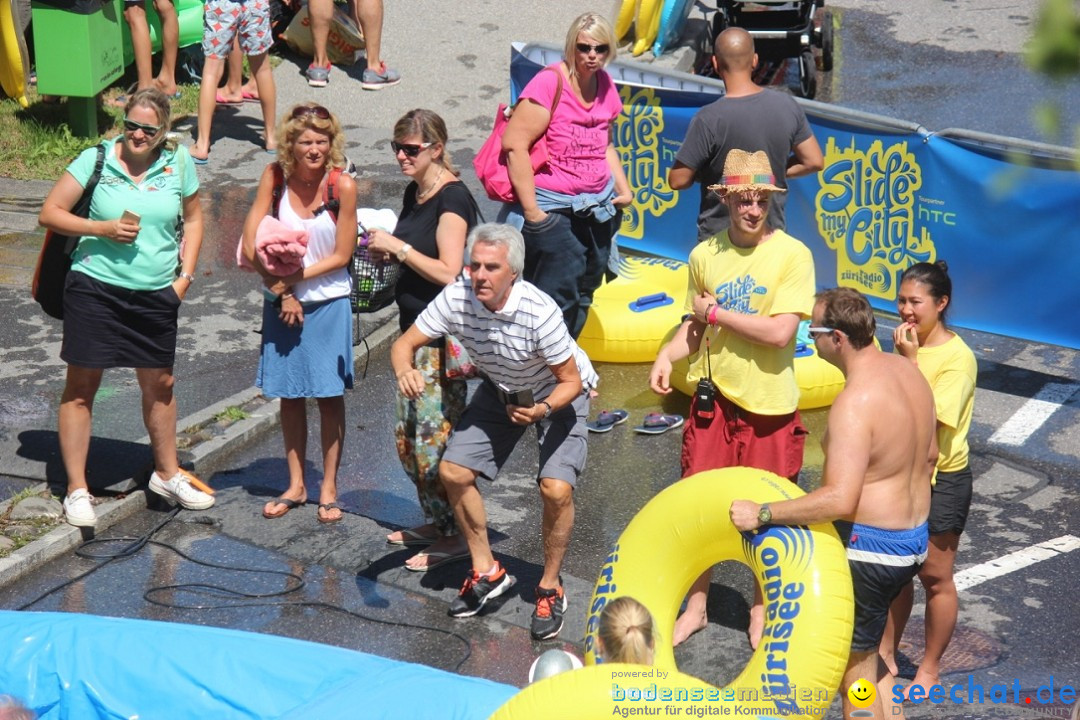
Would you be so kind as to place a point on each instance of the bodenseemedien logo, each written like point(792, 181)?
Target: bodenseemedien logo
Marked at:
point(1052, 699)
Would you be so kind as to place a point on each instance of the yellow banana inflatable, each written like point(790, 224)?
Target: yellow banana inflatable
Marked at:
point(13, 57)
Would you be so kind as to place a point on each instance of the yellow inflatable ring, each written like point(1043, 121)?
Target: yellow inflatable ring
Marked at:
point(819, 380)
point(631, 314)
point(681, 532)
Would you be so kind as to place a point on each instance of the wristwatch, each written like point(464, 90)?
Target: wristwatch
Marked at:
point(187, 276)
point(403, 252)
point(545, 403)
point(764, 515)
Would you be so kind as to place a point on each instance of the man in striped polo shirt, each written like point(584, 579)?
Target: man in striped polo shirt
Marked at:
point(534, 374)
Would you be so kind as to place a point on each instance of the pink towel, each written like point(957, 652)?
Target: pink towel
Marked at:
point(280, 248)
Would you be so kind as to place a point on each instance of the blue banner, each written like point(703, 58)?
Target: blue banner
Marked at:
point(884, 201)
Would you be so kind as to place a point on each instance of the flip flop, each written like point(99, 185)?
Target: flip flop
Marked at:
point(411, 538)
point(249, 97)
point(606, 420)
point(222, 100)
point(289, 505)
point(330, 506)
point(441, 558)
point(199, 160)
point(659, 423)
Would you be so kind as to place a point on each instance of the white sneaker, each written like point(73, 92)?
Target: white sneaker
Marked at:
point(79, 509)
point(179, 490)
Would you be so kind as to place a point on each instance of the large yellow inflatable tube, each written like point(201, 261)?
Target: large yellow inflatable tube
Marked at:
point(684, 530)
point(631, 314)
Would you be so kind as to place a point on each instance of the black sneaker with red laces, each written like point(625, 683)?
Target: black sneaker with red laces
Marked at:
point(478, 589)
point(547, 619)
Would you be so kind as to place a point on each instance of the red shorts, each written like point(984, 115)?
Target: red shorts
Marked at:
point(734, 436)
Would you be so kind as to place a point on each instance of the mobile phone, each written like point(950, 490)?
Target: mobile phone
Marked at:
point(131, 216)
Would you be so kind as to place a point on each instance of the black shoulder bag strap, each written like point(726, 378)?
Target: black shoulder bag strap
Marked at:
point(82, 207)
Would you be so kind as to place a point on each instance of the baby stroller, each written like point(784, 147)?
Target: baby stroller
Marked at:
point(782, 30)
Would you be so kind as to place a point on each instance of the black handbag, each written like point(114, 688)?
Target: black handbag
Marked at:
point(54, 260)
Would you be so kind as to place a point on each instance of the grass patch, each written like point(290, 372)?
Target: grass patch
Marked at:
point(231, 414)
point(36, 142)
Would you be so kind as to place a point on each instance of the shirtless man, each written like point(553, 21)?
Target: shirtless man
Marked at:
point(880, 449)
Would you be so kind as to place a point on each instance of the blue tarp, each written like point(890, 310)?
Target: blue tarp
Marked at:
point(85, 667)
point(888, 197)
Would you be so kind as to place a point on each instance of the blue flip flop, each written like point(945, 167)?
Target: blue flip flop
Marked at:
point(659, 423)
point(606, 420)
point(199, 160)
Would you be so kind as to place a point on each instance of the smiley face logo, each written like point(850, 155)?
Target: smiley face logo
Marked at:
point(861, 693)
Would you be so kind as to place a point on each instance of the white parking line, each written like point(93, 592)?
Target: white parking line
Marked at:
point(1006, 564)
point(1032, 414)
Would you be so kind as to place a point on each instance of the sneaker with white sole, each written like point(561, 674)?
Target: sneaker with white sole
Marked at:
point(547, 619)
point(478, 589)
point(179, 490)
point(318, 76)
point(377, 79)
point(79, 509)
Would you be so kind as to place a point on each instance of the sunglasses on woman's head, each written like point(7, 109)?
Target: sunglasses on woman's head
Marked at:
point(409, 150)
point(148, 130)
point(601, 49)
point(317, 110)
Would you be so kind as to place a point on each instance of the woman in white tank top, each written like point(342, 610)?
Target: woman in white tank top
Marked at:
point(307, 321)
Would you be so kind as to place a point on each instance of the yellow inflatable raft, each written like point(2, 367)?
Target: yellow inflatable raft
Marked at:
point(809, 609)
point(631, 315)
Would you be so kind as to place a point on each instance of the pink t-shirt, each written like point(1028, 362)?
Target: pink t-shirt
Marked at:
point(577, 137)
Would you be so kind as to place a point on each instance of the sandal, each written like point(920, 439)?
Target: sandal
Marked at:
point(288, 503)
point(411, 538)
point(328, 507)
point(606, 420)
point(659, 423)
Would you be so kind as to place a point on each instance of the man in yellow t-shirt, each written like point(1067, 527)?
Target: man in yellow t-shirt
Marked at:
point(749, 288)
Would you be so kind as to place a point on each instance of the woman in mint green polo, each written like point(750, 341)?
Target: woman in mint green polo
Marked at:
point(128, 276)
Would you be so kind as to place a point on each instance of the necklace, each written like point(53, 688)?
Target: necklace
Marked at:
point(424, 194)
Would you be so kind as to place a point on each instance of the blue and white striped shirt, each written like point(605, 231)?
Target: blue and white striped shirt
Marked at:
point(513, 346)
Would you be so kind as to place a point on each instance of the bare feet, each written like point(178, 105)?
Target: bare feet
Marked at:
point(923, 680)
point(688, 623)
point(419, 535)
point(440, 550)
point(757, 625)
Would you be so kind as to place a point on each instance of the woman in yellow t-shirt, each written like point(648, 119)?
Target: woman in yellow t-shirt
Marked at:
point(950, 368)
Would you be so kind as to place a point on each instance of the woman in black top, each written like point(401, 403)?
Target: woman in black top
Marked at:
point(429, 241)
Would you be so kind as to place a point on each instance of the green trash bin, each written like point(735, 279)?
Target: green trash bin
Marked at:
point(78, 53)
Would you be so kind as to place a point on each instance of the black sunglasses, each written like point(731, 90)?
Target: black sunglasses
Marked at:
point(148, 130)
point(585, 48)
point(409, 150)
point(317, 110)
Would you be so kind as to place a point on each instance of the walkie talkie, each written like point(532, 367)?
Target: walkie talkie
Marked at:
point(705, 392)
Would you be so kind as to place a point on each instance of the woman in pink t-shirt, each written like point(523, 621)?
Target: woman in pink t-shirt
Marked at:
point(570, 208)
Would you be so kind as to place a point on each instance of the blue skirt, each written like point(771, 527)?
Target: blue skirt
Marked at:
point(312, 360)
